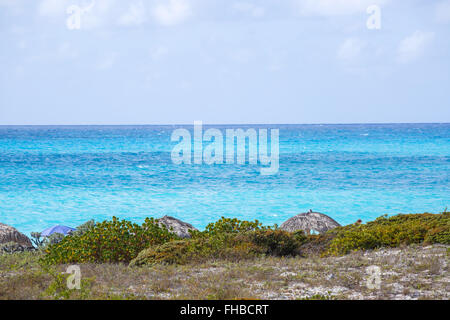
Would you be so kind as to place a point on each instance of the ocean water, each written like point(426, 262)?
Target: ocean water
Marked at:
point(69, 174)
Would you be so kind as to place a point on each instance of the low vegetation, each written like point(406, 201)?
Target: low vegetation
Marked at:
point(108, 241)
point(234, 240)
point(402, 229)
point(234, 259)
point(227, 246)
point(411, 272)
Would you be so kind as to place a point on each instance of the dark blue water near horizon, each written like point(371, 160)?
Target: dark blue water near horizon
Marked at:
point(69, 174)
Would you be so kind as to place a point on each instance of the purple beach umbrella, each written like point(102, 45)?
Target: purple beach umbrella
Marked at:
point(57, 229)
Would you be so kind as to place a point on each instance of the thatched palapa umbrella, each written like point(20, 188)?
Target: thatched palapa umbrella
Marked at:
point(176, 226)
point(309, 221)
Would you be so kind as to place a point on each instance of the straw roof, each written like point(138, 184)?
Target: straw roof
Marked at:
point(308, 222)
point(177, 226)
point(10, 234)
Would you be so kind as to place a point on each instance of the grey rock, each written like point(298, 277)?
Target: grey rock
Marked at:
point(9, 234)
point(176, 226)
point(309, 221)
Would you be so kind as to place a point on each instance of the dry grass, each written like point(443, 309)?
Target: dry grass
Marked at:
point(412, 272)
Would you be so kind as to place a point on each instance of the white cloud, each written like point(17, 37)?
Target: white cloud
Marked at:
point(9, 3)
point(413, 46)
point(241, 55)
point(275, 67)
point(96, 13)
point(108, 61)
point(52, 7)
point(134, 16)
point(334, 7)
point(249, 8)
point(443, 12)
point(350, 49)
point(66, 51)
point(158, 52)
point(22, 44)
point(172, 12)
point(19, 70)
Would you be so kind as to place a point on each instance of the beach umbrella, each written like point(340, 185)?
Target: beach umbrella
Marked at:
point(57, 229)
point(180, 228)
point(309, 221)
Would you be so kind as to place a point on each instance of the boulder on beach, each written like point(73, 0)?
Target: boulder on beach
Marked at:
point(308, 222)
point(177, 226)
point(9, 235)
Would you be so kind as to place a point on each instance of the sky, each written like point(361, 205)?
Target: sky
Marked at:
point(224, 61)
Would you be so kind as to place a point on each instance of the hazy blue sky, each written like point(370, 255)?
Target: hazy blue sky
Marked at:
point(224, 61)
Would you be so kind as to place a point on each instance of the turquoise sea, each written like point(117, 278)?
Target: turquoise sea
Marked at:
point(69, 174)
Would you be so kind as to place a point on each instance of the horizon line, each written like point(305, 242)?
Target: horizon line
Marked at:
point(218, 124)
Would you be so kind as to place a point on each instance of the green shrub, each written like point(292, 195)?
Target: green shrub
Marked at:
point(36, 239)
point(233, 239)
point(54, 238)
point(108, 241)
point(402, 229)
point(12, 247)
point(195, 251)
point(85, 227)
point(440, 234)
point(274, 242)
point(227, 225)
point(173, 252)
point(229, 246)
point(43, 242)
